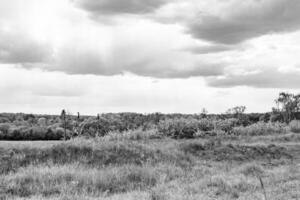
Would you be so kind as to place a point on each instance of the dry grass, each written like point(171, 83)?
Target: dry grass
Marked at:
point(137, 134)
point(131, 168)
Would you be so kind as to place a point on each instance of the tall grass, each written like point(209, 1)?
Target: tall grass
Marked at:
point(137, 134)
point(47, 181)
point(295, 126)
point(260, 128)
point(91, 153)
point(134, 168)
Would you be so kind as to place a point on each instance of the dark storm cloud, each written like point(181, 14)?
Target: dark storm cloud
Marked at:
point(114, 7)
point(18, 48)
point(266, 78)
point(247, 21)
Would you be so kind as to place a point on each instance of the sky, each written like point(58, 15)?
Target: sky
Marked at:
point(169, 56)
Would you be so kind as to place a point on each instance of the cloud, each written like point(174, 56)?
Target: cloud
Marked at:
point(92, 64)
point(18, 81)
point(21, 48)
point(81, 60)
point(264, 78)
point(135, 50)
point(222, 22)
point(238, 21)
point(207, 49)
point(115, 7)
point(199, 69)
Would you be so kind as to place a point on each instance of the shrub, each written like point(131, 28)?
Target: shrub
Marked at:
point(243, 120)
point(205, 125)
point(95, 127)
point(178, 127)
point(295, 126)
point(30, 133)
point(226, 125)
point(4, 127)
point(276, 117)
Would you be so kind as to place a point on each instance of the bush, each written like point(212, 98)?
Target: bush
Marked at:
point(30, 133)
point(226, 125)
point(205, 125)
point(4, 127)
point(95, 127)
point(178, 127)
point(295, 126)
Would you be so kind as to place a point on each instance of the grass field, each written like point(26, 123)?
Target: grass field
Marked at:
point(256, 167)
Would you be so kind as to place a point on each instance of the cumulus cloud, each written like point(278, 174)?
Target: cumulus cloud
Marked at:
point(238, 21)
point(21, 48)
point(114, 7)
point(264, 78)
point(225, 22)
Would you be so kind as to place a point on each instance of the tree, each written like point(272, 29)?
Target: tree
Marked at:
point(237, 110)
point(238, 113)
point(288, 104)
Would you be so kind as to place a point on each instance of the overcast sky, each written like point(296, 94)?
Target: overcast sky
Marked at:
point(96, 56)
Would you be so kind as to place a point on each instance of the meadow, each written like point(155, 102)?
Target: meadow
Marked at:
point(258, 161)
point(152, 156)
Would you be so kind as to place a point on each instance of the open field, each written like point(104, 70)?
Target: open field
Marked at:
point(152, 169)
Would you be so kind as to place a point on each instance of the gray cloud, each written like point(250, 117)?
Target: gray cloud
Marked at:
point(201, 70)
point(234, 23)
point(20, 48)
point(80, 60)
point(266, 78)
point(248, 21)
point(114, 7)
point(209, 49)
point(91, 63)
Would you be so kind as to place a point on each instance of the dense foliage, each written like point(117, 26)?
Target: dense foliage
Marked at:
point(53, 127)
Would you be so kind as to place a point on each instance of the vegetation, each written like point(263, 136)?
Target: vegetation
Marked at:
point(153, 156)
point(149, 168)
point(65, 126)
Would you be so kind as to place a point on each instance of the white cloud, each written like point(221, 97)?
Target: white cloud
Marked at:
point(168, 56)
